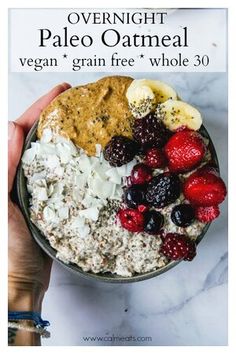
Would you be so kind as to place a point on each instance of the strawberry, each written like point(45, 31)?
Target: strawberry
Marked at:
point(204, 188)
point(207, 214)
point(132, 220)
point(184, 151)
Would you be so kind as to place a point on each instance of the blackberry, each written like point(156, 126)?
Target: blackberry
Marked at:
point(134, 196)
point(182, 215)
point(153, 222)
point(120, 150)
point(163, 189)
point(177, 247)
point(149, 131)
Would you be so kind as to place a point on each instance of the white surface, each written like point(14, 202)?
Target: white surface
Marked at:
point(187, 305)
point(206, 33)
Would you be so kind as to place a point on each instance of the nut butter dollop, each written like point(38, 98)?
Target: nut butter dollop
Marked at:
point(90, 114)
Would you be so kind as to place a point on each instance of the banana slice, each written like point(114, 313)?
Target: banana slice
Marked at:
point(176, 114)
point(144, 95)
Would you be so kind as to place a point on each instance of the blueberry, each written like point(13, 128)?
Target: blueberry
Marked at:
point(153, 222)
point(135, 196)
point(182, 215)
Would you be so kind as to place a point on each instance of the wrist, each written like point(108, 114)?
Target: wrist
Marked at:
point(25, 298)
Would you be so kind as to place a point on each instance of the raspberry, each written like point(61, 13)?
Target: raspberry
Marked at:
point(155, 158)
point(207, 214)
point(149, 131)
point(163, 189)
point(184, 151)
point(204, 188)
point(177, 247)
point(141, 174)
point(120, 150)
point(131, 220)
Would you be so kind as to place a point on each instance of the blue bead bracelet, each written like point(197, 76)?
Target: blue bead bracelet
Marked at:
point(28, 315)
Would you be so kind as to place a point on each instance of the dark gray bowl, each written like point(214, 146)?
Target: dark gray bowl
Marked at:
point(23, 197)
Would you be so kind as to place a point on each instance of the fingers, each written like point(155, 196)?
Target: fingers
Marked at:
point(28, 118)
point(15, 144)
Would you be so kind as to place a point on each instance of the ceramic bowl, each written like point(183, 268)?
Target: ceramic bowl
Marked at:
point(23, 198)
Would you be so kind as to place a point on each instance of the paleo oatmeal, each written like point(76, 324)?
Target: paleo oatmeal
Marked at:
point(121, 178)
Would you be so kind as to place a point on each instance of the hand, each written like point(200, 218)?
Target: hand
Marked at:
point(29, 268)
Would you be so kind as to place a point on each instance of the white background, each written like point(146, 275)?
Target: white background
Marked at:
point(3, 156)
point(206, 36)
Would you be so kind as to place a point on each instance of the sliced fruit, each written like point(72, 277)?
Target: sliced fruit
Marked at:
point(184, 151)
point(143, 96)
point(178, 114)
point(203, 188)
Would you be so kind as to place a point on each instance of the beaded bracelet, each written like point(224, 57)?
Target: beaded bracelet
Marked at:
point(15, 317)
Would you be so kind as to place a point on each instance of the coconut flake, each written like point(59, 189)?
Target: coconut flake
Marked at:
point(52, 162)
point(49, 214)
point(46, 136)
point(59, 171)
point(63, 213)
point(29, 155)
point(90, 201)
point(113, 176)
point(38, 175)
point(98, 150)
point(85, 165)
point(64, 152)
point(41, 193)
point(47, 149)
point(90, 213)
point(129, 166)
point(121, 170)
point(84, 231)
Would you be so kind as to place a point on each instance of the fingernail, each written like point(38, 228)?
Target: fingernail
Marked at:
point(11, 130)
point(65, 85)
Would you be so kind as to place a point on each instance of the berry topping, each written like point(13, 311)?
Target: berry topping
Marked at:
point(163, 189)
point(207, 214)
point(184, 151)
point(142, 208)
point(153, 222)
point(141, 174)
point(120, 150)
point(178, 247)
point(149, 131)
point(131, 220)
point(155, 158)
point(182, 215)
point(209, 169)
point(204, 188)
point(134, 196)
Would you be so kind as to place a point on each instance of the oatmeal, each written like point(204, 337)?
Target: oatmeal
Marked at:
point(122, 179)
point(74, 203)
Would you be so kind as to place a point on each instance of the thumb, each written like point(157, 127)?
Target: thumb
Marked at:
point(15, 144)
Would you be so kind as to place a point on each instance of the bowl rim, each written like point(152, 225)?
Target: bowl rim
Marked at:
point(23, 194)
